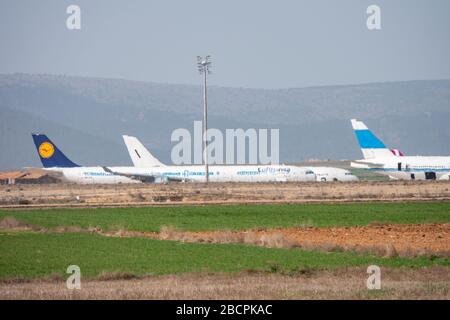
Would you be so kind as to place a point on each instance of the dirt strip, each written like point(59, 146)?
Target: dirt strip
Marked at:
point(204, 203)
point(346, 283)
point(381, 239)
point(389, 240)
point(71, 195)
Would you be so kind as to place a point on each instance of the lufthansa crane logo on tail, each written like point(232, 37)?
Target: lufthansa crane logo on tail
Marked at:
point(46, 150)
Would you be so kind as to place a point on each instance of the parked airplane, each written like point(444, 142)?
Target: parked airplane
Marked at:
point(142, 158)
point(380, 159)
point(54, 160)
point(324, 174)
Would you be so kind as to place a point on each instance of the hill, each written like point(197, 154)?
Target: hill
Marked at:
point(87, 116)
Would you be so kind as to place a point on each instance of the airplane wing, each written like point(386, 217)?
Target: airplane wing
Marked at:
point(143, 178)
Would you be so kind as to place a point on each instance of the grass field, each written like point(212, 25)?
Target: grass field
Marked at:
point(367, 175)
point(26, 254)
point(238, 217)
point(35, 255)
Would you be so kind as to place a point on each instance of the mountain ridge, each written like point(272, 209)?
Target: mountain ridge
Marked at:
point(412, 116)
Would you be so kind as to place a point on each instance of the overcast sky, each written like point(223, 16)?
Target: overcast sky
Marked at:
point(259, 44)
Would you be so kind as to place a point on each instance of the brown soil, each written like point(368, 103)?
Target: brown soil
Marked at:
point(71, 195)
point(381, 239)
point(386, 240)
point(346, 283)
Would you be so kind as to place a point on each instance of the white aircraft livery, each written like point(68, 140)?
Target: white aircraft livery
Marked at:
point(380, 159)
point(142, 158)
point(54, 160)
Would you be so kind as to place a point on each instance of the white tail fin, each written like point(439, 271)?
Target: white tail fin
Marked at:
point(140, 156)
point(371, 146)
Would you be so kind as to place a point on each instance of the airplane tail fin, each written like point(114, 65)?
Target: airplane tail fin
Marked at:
point(139, 154)
point(397, 153)
point(370, 145)
point(49, 153)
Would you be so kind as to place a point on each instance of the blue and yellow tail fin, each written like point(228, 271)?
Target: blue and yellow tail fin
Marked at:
point(49, 153)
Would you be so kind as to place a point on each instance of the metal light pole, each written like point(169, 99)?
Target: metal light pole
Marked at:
point(204, 68)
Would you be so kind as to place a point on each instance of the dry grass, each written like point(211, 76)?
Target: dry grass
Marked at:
point(270, 240)
point(399, 283)
point(354, 239)
point(114, 276)
point(170, 233)
point(62, 229)
point(12, 224)
point(318, 239)
point(307, 238)
point(48, 195)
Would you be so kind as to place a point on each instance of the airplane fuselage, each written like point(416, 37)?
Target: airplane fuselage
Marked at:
point(324, 174)
point(268, 173)
point(409, 167)
point(148, 169)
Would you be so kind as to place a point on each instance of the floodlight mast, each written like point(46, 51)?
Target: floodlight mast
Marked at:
point(204, 68)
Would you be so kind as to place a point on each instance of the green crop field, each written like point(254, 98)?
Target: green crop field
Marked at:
point(235, 217)
point(26, 254)
point(34, 255)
